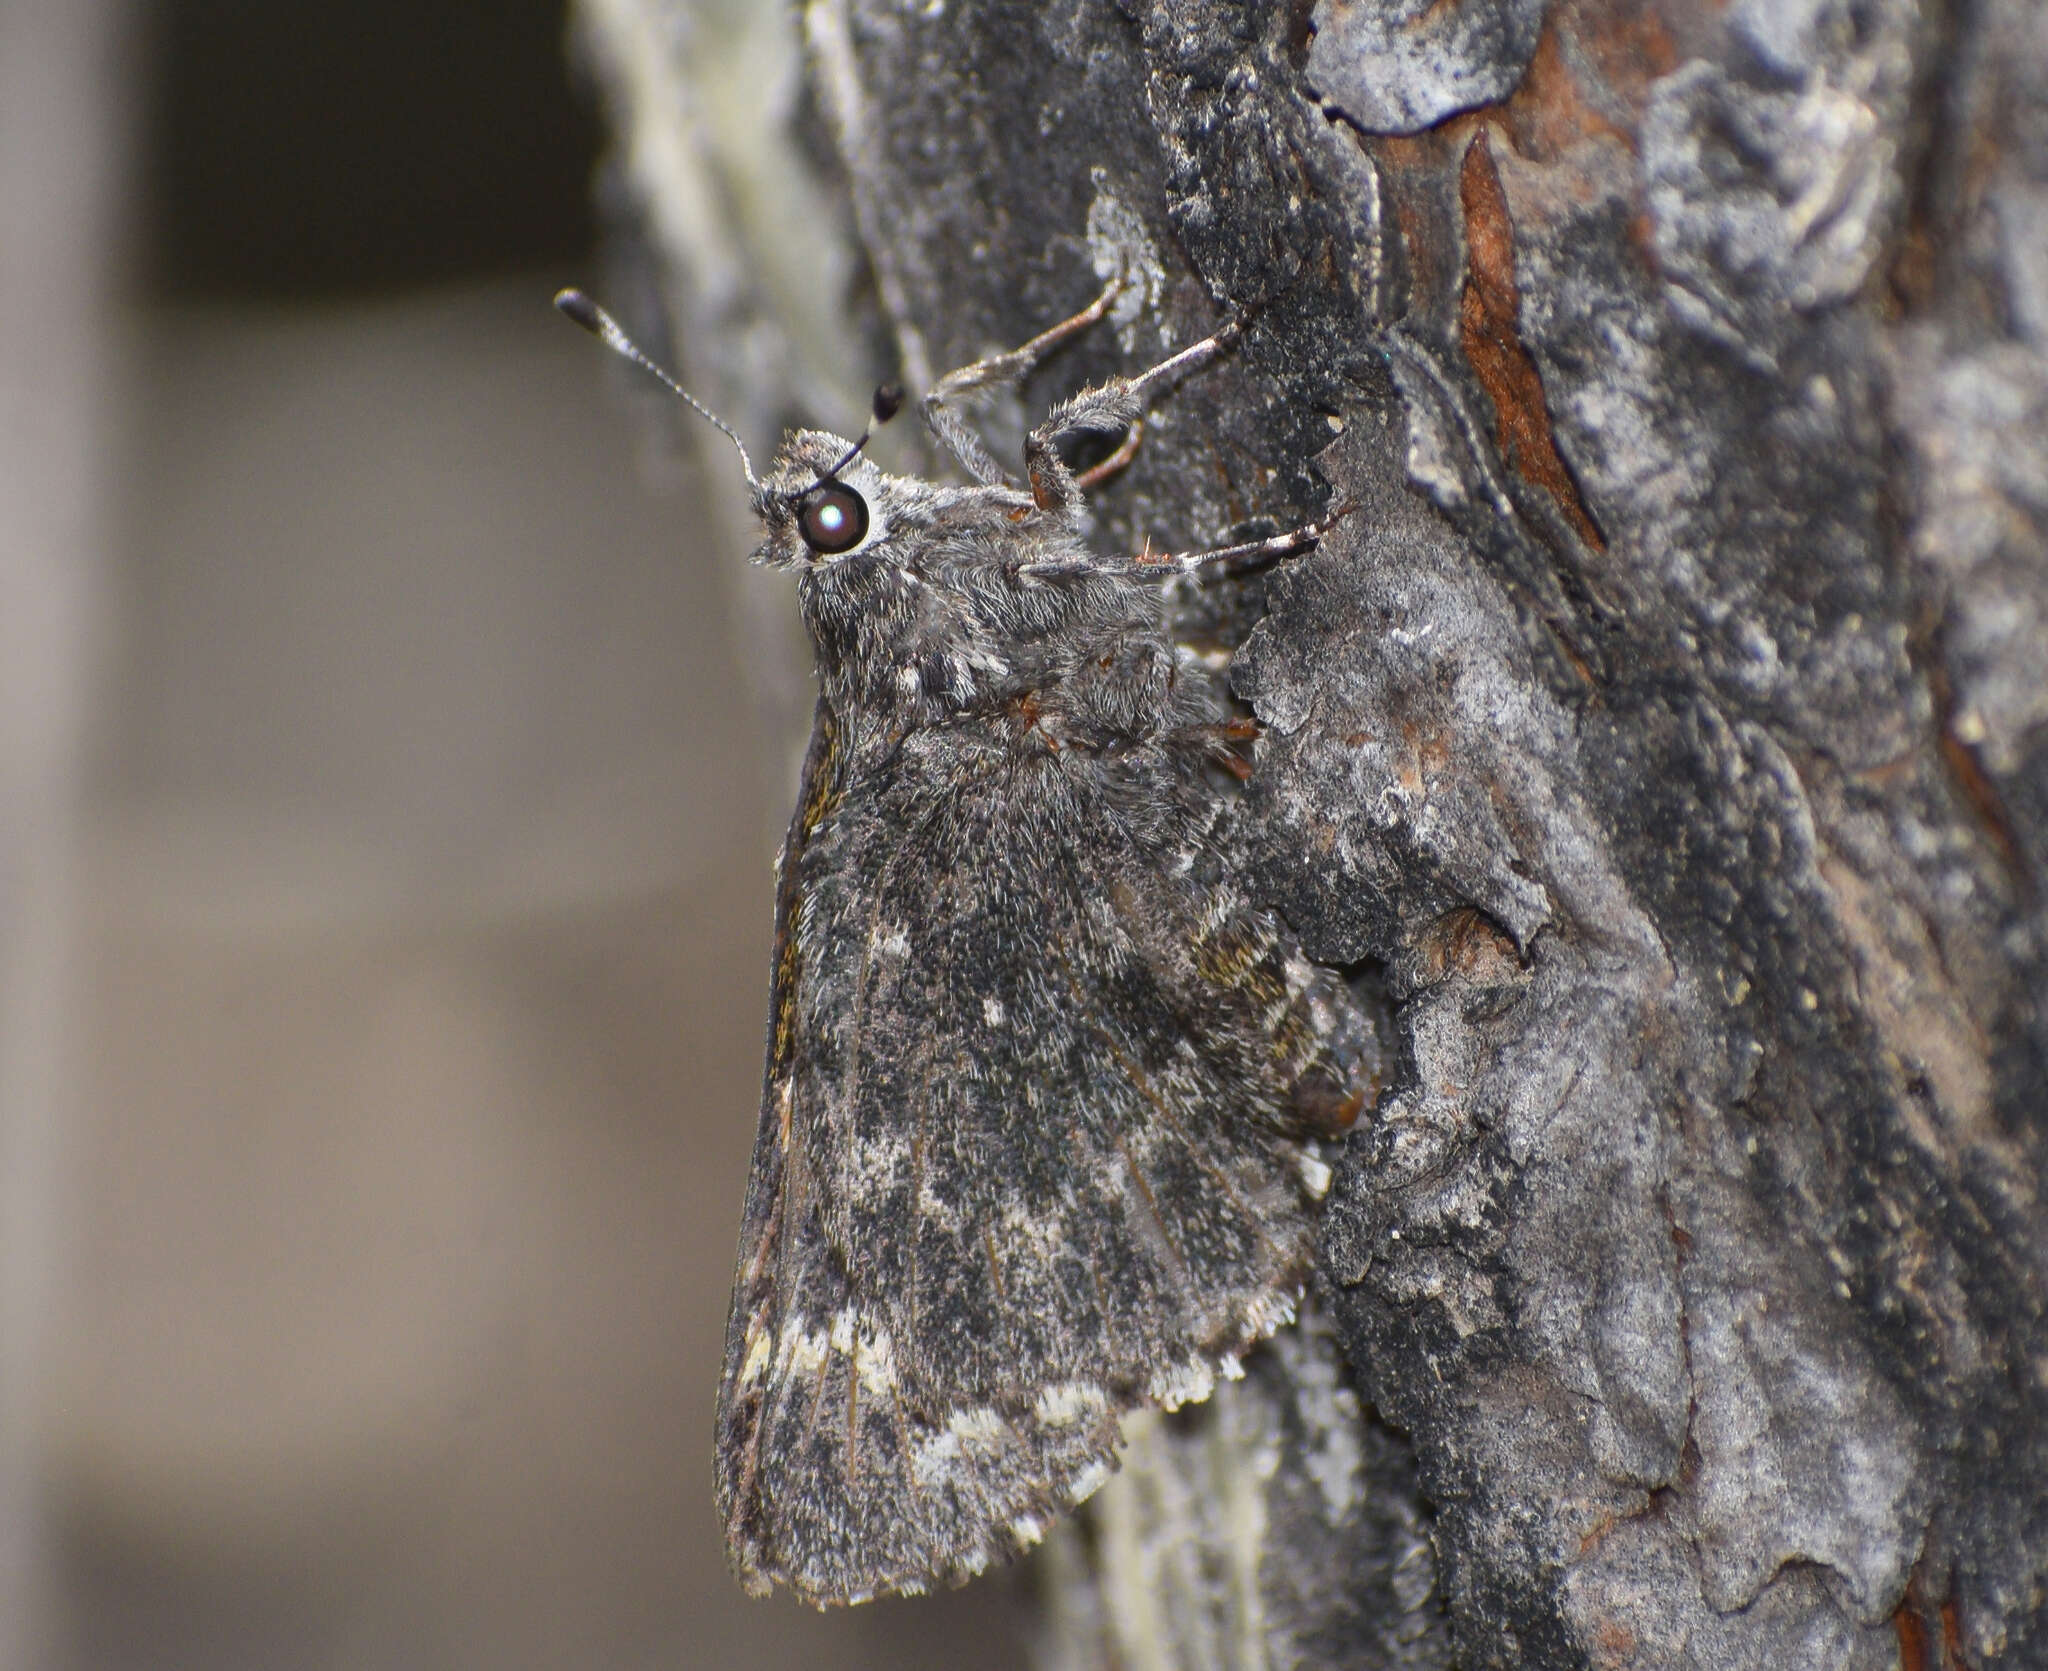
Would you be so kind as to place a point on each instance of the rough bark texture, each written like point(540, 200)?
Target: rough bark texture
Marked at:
point(1668, 732)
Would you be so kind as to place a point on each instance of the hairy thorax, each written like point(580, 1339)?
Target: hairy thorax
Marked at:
point(1037, 650)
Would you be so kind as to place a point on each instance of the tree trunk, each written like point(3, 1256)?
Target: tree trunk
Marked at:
point(1665, 738)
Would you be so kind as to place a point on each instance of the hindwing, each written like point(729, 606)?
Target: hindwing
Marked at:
point(1034, 1150)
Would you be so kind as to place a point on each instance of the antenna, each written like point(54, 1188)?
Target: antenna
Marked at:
point(605, 328)
point(888, 402)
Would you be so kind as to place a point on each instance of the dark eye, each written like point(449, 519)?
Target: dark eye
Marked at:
point(833, 519)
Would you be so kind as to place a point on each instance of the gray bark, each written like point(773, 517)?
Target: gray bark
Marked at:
point(1667, 737)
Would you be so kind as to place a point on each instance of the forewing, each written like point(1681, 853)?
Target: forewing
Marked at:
point(828, 1478)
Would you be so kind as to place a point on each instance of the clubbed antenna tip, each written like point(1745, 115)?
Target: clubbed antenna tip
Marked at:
point(888, 402)
point(582, 309)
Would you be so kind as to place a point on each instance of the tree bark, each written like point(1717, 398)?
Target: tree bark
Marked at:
point(1666, 738)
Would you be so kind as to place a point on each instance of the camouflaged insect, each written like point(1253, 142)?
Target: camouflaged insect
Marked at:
point(1039, 1134)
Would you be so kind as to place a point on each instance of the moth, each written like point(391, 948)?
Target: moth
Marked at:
point(1040, 1132)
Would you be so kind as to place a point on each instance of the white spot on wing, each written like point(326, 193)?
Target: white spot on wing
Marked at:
point(978, 1426)
point(1088, 1481)
point(1266, 1312)
point(992, 1011)
point(1067, 1402)
point(759, 1352)
point(1315, 1176)
point(798, 1350)
point(875, 1362)
point(854, 1334)
point(1185, 1383)
point(968, 1440)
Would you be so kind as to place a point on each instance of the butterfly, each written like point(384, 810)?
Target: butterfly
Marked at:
point(1041, 1131)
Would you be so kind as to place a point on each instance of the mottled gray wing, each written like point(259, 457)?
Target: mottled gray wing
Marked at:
point(1033, 1152)
point(828, 1479)
point(789, 1492)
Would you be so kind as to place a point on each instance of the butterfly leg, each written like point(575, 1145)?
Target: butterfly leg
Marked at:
point(1116, 406)
point(1236, 559)
point(1222, 743)
point(950, 427)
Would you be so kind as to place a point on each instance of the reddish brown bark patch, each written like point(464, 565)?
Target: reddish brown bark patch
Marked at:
point(1493, 345)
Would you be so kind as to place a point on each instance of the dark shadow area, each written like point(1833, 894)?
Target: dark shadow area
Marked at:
point(329, 150)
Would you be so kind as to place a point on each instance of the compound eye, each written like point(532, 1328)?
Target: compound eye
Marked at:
point(833, 519)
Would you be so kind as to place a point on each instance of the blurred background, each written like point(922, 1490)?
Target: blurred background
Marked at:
point(385, 883)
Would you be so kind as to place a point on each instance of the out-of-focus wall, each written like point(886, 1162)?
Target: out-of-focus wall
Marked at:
point(63, 121)
point(421, 901)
